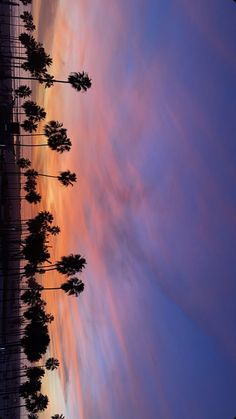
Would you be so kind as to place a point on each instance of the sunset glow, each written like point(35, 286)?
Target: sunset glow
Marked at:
point(153, 211)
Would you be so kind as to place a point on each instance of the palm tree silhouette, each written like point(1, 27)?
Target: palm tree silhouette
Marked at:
point(23, 163)
point(29, 126)
point(52, 364)
point(32, 297)
point(79, 81)
point(33, 197)
point(57, 416)
point(36, 403)
point(67, 265)
point(33, 111)
point(28, 388)
point(27, 18)
point(52, 127)
point(35, 341)
point(55, 133)
point(66, 178)
point(23, 91)
point(73, 286)
point(70, 265)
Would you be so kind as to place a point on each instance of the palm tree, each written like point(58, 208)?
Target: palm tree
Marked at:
point(57, 142)
point(66, 178)
point(33, 197)
point(52, 364)
point(73, 286)
point(36, 312)
point(32, 296)
point(23, 163)
point(27, 18)
point(79, 81)
point(29, 125)
point(36, 341)
point(36, 403)
point(55, 230)
point(52, 127)
point(35, 373)
point(57, 416)
point(33, 111)
point(70, 265)
point(26, 2)
point(12, 3)
point(35, 249)
point(27, 40)
point(28, 388)
point(23, 91)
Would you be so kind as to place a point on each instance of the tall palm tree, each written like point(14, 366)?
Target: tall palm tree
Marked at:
point(67, 265)
point(55, 133)
point(66, 178)
point(32, 197)
point(79, 81)
point(58, 142)
point(73, 286)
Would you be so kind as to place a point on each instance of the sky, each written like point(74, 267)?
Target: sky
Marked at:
point(154, 210)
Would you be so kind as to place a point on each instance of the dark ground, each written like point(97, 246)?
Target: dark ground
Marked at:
point(9, 211)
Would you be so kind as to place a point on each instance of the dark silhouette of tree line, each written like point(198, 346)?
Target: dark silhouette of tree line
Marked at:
point(33, 248)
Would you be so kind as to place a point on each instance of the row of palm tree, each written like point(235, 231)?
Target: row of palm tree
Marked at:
point(33, 247)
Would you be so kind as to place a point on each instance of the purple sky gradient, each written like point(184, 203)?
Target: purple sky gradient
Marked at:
point(156, 212)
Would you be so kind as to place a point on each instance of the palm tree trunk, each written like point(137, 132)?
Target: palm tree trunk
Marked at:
point(11, 3)
point(31, 78)
point(25, 289)
point(42, 174)
point(12, 57)
point(12, 407)
point(13, 24)
point(30, 135)
point(27, 145)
